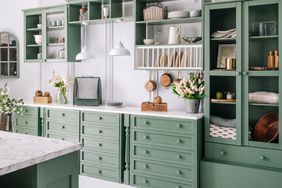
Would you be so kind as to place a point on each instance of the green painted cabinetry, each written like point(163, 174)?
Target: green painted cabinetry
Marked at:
point(60, 41)
point(29, 122)
point(102, 139)
point(62, 124)
point(164, 152)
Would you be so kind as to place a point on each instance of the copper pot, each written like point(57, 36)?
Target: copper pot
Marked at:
point(266, 129)
point(166, 80)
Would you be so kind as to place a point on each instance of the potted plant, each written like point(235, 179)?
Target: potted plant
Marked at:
point(191, 89)
point(8, 105)
point(62, 85)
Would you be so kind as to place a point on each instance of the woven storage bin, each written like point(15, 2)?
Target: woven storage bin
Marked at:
point(3, 121)
point(154, 13)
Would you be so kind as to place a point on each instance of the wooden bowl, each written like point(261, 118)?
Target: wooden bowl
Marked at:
point(263, 131)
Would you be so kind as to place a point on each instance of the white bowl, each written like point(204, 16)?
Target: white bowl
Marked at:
point(178, 14)
point(38, 39)
point(149, 41)
point(196, 13)
point(39, 26)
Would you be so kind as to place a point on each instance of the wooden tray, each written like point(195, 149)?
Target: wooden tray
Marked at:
point(223, 100)
point(42, 100)
point(149, 106)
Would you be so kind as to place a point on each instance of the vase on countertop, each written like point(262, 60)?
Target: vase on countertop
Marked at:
point(62, 97)
point(192, 105)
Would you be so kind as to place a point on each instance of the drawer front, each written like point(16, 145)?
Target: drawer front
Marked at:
point(183, 127)
point(67, 137)
point(107, 118)
point(61, 127)
point(29, 111)
point(187, 142)
point(105, 131)
point(100, 172)
point(247, 155)
point(218, 175)
point(161, 169)
point(101, 145)
point(63, 115)
point(148, 181)
point(33, 132)
point(169, 156)
point(101, 159)
point(27, 122)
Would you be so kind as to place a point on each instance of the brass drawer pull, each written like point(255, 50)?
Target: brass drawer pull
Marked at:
point(146, 137)
point(179, 157)
point(222, 152)
point(100, 144)
point(146, 152)
point(146, 166)
point(146, 181)
point(26, 122)
point(100, 131)
point(100, 158)
point(63, 127)
point(100, 171)
point(63, 114)
point(179, 172)
point(146, 122)
point(179, 141)
point(100, 118)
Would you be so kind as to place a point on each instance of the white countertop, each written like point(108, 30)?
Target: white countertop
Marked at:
point(18, 151)
point(122, 110)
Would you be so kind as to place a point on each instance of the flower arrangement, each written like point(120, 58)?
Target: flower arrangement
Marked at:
point(192, 87)
point(62, 85)
point(9, 105)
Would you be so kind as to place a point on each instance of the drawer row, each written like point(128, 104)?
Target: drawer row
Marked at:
point(27, 131)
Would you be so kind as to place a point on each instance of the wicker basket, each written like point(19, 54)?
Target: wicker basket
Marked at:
point(154, 13)
point(3, 121)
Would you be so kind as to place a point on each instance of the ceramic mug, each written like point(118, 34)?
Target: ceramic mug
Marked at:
point(174, 35)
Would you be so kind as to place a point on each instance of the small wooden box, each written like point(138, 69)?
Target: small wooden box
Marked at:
point(149, 106)
point(42, 100)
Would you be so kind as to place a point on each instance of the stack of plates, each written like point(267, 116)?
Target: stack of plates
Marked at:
point(178, 14)
point(225, 34)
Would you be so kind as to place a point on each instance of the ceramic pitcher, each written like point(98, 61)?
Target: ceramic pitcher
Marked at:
point(174, 35)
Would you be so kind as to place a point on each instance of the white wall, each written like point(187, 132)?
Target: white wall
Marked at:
point(128, 83)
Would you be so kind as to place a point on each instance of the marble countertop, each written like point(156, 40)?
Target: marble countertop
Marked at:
point(133, 110)
point(18, 151)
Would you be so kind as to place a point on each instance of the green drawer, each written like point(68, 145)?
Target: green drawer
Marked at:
point(95, 117)
point(188, 158)
point(62, 127)
point(145, 181)
point(218, 175)
point(63, 115)
point(100, 145)
point(29, 111)
point(33, 132)
point(168, 125)
point(99, 158)
point(167, 170)
point(187, 142)
point(246, 155)
point(111, 174)
point(62, 136)
point(27, 122)
point(105, 131)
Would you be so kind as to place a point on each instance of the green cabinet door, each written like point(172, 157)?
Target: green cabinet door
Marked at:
point(220, 17)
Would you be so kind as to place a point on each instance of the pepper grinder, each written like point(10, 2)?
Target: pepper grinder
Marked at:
point(270, 60)
point(276, 59)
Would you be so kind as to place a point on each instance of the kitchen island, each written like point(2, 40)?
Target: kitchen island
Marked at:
point(36, 162)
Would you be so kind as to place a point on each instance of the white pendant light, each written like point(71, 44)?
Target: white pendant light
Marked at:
point(85, 53)
point(119, 50)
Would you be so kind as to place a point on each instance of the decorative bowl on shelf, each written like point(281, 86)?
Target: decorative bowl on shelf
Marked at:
point(39, 26)
point(196, 13)
point(178, 14)
point(192, 40)
point(38, 39)
point(149, 41)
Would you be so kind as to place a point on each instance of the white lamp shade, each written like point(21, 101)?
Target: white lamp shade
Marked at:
point(119, 50)
point(84, 54)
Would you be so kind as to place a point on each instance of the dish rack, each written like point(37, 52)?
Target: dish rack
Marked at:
point(179, 57)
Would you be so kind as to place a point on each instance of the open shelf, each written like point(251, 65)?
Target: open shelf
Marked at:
point(172, 21)
point(264, 73)
point(34, 29)
point(55, 44)
point(264, 37)
point(223, 73)
point(223, 39)
point(33, 45)
point(263, 104)
point(56, 28)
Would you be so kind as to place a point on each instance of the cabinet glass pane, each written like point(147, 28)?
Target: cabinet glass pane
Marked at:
point(4, 69)
point(55, 35)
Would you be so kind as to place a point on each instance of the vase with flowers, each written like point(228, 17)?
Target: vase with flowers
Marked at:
point(62, 84)
point(8, 106)
point(191, 89)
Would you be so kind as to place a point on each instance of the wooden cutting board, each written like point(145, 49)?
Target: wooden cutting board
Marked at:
point(153, 107)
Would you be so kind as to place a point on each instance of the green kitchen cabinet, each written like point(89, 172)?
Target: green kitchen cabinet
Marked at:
point(62, 124)
point(29, 122)
point(164, 152)
point(103, 145)
point(60, 41)
point(221, 175)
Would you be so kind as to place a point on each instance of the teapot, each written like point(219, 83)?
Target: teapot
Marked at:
point(174, 35)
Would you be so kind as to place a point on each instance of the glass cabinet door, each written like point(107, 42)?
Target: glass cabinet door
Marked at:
point(261, 73)
point(55, 36)
point(223, 73)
